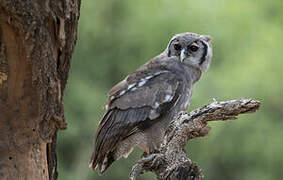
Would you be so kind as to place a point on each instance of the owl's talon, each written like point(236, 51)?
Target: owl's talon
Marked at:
point(157, 161)
point(136, 171)
point(147, 159)
point(152, 161)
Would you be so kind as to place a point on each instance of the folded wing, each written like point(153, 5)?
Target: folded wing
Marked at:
point(132, 102)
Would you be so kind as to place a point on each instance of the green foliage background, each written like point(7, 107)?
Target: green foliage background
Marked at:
point(116, 37)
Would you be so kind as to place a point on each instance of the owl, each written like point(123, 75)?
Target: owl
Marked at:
point(140, 107)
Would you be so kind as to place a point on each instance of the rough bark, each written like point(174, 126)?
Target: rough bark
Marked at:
point(37, 39)
point(172, 162)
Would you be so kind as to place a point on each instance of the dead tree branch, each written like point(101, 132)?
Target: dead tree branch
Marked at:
point(172, 162)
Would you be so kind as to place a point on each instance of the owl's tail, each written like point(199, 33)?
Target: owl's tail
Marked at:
point(111, 137)
point(101, 163)
point(102, 157)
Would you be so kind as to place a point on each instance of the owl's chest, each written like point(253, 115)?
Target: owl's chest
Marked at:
point(186, 99)
point(182, 104)
point(188, 77)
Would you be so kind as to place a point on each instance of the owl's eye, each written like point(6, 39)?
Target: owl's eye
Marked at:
point(177, 47)
point(193, 48)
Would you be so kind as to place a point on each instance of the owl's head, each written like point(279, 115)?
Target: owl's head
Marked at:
point(191, 49)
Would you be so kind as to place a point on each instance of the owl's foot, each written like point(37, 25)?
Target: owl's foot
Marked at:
point(152, 161)
point(136, 171)
point(148, 163)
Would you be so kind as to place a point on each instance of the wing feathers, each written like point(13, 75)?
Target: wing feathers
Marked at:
point(133, 105)
point(115, 126)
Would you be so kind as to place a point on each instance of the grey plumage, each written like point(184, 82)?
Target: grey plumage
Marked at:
point(140, 107)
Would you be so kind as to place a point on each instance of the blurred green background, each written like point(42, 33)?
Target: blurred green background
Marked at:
point(116, 37)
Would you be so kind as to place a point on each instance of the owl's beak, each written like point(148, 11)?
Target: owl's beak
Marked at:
point(183, 55)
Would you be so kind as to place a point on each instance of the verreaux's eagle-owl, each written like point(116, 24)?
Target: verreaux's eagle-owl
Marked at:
point(141, 107)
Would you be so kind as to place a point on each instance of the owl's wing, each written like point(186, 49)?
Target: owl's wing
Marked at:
point(138, 98)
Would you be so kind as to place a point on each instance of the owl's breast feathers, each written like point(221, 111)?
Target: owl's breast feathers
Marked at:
point(143, 96)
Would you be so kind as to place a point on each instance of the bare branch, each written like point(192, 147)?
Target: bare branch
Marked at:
point(172, 162)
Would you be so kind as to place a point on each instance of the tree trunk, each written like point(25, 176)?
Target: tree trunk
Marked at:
point(37, 39)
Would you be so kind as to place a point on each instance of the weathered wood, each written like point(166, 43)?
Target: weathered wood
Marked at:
point(173, 163)
point(37, 39)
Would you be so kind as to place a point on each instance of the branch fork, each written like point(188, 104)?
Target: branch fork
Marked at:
point(172, 162)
